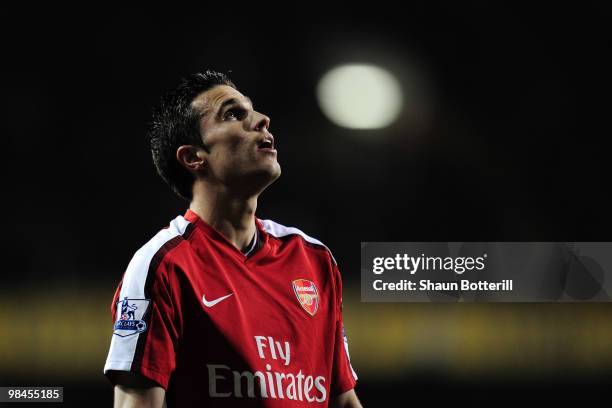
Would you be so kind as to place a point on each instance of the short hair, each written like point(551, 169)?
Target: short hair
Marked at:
point(175, 123)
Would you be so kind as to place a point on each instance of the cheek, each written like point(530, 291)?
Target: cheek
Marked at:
point(232, 153)
point(224, 142)
point(236, 149)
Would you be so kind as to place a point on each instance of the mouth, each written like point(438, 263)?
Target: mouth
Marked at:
point(266, 144)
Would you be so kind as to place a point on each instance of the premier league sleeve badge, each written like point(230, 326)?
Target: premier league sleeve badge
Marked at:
point(130, 316)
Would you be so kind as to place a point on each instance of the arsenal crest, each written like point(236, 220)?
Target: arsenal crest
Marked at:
point(307, 295)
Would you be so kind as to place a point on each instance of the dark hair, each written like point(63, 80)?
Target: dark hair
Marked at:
point(176, 123)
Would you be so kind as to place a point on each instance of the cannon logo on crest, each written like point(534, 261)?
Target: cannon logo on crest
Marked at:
point(307, 294)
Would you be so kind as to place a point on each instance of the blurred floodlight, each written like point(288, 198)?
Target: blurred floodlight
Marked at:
point(360, 96)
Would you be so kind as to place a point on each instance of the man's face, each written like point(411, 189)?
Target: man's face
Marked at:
point(241, 151)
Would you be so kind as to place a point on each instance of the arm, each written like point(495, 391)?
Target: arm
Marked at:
point(139, 397)
point(346, 400)
point(136, 383)
point(134, 391)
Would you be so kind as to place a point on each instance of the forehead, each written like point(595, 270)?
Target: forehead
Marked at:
point(213, 99)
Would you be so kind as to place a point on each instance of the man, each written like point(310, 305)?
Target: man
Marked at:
point(227, 309)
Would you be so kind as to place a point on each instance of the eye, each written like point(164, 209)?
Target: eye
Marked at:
point(234, 114)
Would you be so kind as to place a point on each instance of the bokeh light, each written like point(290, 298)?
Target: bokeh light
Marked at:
point(360, 96)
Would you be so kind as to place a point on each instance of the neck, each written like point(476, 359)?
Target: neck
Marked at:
point(231, 215)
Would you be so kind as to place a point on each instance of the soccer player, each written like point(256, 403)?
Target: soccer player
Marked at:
point(221, 308)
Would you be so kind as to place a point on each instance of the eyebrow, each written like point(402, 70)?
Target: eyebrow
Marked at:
point(234, 101)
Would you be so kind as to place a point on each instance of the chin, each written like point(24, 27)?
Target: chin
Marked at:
point(270, 171)
point(254, 182)
point(277, 171)
point(271, 174)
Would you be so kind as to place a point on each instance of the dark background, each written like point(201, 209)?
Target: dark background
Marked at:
point(504, 137)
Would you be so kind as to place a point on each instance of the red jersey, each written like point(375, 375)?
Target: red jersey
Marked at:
point(215, 327)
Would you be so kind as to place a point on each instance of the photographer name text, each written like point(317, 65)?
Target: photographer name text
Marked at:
point(413, 264)
point(429, 285)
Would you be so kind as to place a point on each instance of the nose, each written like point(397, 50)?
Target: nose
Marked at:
point(261, 121)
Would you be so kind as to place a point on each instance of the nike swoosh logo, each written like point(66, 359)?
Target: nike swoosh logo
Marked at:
point(214, 302)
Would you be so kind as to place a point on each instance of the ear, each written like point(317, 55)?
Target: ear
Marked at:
point(193, 158)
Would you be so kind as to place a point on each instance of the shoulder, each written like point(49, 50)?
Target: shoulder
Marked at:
point(147, 260)
point(282, 232)
point(164, 241)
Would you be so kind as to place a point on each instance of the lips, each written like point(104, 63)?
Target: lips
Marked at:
point(266, 143)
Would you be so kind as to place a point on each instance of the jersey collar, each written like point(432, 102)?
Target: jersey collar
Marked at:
point(262, 246)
